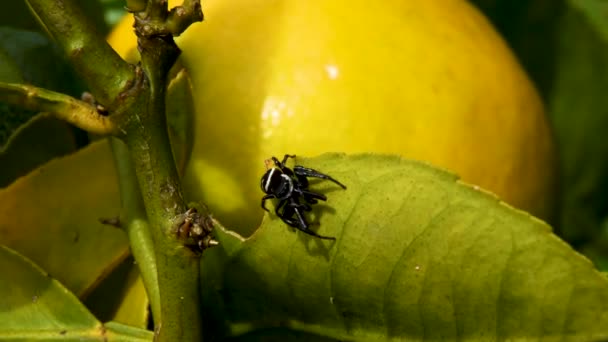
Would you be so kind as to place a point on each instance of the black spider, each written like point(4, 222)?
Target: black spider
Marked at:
point(290, 187)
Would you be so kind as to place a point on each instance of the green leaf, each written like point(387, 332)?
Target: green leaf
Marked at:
point(52, 217)
point(34, 143)
point(36, 307)
point(419, 255)
point(134, 306)
point(119, 332)
point(41, 139)
point(121, 297)
point(596, 12)
point(563, 46)
point(280, 335)
point(579, 112)
point(34, 303)
point(180, 116)
point(9, 71)
point(11, 118)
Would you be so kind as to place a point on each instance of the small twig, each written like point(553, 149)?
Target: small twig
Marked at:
point(107, 75)
point(76, 112)
point(154, 20)
point(136, 6)
point(135, 223)
point(181, 17)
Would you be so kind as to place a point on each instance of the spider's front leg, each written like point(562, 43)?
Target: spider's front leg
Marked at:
point(281, 164)
point(308, 172)
point(287, 156)
point(267, 197)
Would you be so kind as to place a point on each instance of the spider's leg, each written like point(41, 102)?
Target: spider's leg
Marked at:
point(287, 156)
point(303, 226)
point(307, 172)
point(291, 222)
point(302, 181)
point(281, 164)
point(312, 197)
point(286, 215)
point(278, 212)
point(295, 201)
point(267, 197)
point(277, 163)
point(288, 211)
point(305, 207)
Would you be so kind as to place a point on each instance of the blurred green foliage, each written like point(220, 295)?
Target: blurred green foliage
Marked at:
point(564, 47)
point(16, 14)
point(113, 10)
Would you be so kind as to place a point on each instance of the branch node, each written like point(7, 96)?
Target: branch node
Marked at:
point(194, 230)
point(157, 20)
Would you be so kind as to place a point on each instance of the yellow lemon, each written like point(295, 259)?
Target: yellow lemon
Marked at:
point(428, 80)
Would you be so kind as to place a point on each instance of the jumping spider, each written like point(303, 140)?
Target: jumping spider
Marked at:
point(290, 187)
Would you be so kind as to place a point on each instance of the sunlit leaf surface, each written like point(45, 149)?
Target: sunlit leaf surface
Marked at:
point(418, 256)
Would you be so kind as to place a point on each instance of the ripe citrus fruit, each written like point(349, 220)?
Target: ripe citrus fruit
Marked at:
point(429, 80)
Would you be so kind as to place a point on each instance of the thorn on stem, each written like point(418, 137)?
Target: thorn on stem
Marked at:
point(112, 221)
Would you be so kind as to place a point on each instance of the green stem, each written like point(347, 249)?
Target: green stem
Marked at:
point(78, 113)
point(135, 98)
point(135, 223)
point(105, 73)
point(148, 141)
